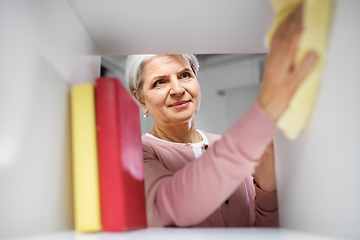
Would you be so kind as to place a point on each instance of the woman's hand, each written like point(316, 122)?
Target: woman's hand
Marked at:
point(264, 174)
point(281, 78)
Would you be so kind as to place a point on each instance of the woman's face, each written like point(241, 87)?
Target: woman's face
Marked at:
point(171, 91)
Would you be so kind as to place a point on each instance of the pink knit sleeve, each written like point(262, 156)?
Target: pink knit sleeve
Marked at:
point(266, 209)
point(191, 194)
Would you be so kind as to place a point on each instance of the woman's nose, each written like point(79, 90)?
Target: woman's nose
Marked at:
point(176, 88)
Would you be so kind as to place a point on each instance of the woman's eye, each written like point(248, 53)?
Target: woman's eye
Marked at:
point(185, 75)
point(158, 83)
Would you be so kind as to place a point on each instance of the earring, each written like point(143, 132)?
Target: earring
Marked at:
point(146, 115)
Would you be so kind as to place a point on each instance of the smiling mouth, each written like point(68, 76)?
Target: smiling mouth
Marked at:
point(179, 104)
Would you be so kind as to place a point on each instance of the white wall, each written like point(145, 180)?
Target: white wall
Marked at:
point(44, 48)
point(318, 174)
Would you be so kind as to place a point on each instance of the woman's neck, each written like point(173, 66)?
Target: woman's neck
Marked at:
point(178, 134)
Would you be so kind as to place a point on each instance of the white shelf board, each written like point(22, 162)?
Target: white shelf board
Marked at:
point(185, 233)
point(188, 26)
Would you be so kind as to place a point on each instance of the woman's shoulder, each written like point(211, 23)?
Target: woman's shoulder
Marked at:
point(145, 139)
point(172, 155)
point(149, 141)
point(212, 137)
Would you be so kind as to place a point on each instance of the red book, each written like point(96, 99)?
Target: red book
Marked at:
point(121, 174)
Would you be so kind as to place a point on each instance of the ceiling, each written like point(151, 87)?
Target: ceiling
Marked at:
point(120, 27)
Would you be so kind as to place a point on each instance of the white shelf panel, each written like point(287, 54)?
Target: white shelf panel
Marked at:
point(185, 233)
point(187, 26)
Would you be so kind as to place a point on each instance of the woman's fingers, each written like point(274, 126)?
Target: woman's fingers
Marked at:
point(305, 67)
point(295, 22)
point(289, 26)
point(287, 36)
point(295, 35)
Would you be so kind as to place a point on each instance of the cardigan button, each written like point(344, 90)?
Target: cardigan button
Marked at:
point(227, 202)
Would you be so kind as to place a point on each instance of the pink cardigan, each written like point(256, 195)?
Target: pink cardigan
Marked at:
point(184, 191)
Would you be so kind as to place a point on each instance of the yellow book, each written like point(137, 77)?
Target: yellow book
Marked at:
point(316, 23)
point(85, 163)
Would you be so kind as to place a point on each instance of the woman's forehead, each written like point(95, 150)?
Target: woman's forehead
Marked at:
point(164, 64)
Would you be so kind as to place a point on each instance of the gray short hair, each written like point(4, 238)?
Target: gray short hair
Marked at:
point(134, 65)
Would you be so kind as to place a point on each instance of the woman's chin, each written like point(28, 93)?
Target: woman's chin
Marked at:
point(181, 118)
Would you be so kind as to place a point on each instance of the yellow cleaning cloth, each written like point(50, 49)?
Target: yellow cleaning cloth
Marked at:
point(316, 23)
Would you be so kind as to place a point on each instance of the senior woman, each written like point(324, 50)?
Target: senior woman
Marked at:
point(195, 178)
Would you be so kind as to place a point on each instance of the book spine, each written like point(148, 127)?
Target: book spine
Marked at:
point(120, 158)
point(110, 169)
point(85, 161)
point(132, 159)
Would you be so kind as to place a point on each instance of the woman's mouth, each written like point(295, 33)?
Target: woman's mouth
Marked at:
point(181, 104)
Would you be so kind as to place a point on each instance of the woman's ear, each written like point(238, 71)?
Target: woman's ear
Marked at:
point(140, 101)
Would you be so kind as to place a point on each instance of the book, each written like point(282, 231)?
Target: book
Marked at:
point(85, 161)
point(121, 173)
